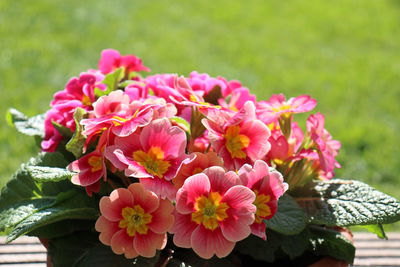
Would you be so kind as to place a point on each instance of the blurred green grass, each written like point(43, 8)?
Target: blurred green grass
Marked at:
point(344, 53)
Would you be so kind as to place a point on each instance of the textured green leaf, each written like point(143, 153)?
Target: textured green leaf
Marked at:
point(75, 145)
point(345, 202)
point(327, 242)
point(62, 228)
point(111, 81)
point(84, 249)
point(289, 218)
point(67, 205)
point(376, 229)
point(24, 201)
point(33, 126)
point(53, 174)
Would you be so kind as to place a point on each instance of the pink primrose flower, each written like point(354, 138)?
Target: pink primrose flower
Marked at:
point(238, 98)
point(239, 138)
point(327, 147)
point(134, 221)
point(79, 92)
point(213, 212)
point(154, 155)
point(91, 168)
point(111, 59)
point(268, 186)
point(191, 167)
point(268, 111)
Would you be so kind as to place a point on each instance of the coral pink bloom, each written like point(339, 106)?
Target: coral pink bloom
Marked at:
point(268, 111)
point(213, 212)
point(134, 221)
point(268, 187)
point(327, 147)
point(191, 167)
point(238, 139)
point(154, 155)
point(111, 59)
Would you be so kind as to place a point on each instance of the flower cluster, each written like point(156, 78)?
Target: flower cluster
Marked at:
point(197, 157)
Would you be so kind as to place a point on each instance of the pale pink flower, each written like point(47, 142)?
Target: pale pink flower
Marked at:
point(111, 59)
point(213, 212)
point(238, 138)
point(154, 155)
point(237, 100)
point(270, 110)
point(134, 221)
point(268, 186)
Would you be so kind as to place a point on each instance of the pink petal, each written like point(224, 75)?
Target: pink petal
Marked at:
point(146, 199)
point(162, 219)
point(194, 187)
point(111, 207)
point(258, 229)
point(162, 188)
point(122, 243)
point(206, 243)
point(107, 229)
point(221, 181)
point(183, 229)
point(147, 244)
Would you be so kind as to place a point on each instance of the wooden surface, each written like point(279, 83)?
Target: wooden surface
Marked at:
point(371, 251)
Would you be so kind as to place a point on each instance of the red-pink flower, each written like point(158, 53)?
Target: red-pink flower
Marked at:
point(238, 138)
point(154, 155)
point(268, 111)
point(327, 147)
point(213, 212)
point(268, 186)
point(134, 221)
point(111, 59)
point(79, 92)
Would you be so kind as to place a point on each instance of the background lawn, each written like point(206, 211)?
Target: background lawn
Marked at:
point(344, 53)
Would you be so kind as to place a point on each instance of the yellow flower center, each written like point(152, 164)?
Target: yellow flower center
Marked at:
point(135, 220)
point(235, 142)
point(153, 161)
point(261, 203)
point(96, 163)
point(86, 100)
point(210, 210)
point(282, 108)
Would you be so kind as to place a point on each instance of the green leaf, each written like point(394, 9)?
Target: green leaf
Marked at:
point(67, 205)
point(346, 202)
point(33, 126)
point(289, 218)
point(111, 81)
point(75, 145)
point(84, 249)
point(295, 245)
point(376, 229)
point(53, 174)
point(62, 228)
point(259, 249)
point(328, 242)
point(26, 204)
point(64, 131)
point(182, 122)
